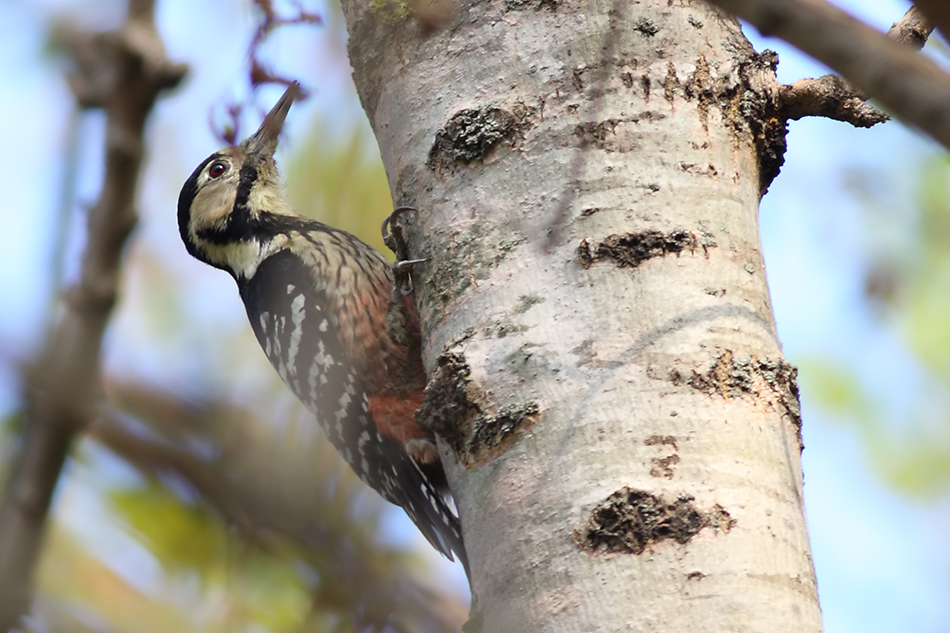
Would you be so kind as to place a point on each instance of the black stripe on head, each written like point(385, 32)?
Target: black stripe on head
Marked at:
point(264, 226)
point(248, 176)
point(240, 225)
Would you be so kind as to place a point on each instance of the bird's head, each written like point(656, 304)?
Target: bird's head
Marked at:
point(226, 208)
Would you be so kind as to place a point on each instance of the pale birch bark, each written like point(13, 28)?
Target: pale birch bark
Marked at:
point(620, 428)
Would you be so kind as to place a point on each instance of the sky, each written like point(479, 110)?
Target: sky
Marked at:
point(882, 560)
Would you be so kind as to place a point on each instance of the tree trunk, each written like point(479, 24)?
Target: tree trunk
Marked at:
point(619, 427)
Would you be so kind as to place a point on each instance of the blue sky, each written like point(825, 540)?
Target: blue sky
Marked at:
point(883, 561)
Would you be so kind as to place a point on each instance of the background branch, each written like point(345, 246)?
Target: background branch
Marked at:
point(938, 13)
point(121, 71)
point(909, 85)
point(265, 490)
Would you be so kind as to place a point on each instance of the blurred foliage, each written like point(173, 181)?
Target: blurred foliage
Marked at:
point(343, 185)
point(905, 424)
point(10, 426)
point(186, 535)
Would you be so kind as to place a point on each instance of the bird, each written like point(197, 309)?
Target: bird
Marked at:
point(324, 307)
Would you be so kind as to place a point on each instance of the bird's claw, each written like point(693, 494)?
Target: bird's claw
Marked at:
point(401, 275)
point(406, 264)
point(394, 240)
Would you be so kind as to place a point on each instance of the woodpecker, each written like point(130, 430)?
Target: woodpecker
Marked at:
point(326, 311)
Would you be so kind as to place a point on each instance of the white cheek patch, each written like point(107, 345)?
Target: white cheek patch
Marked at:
point(212, 205)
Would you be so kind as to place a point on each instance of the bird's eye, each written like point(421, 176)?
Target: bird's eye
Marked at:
point(217, 169)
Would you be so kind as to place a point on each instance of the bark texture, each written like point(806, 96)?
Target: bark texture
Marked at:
point(620, 429)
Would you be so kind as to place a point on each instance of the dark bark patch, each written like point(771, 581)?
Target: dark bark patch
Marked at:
point(694, 169)
point(670, 83)
point(661, 440)
point(537, 5)
point(451, 401)
point(632, 249)
point(453, 409)
point(471, 134)
point(629, 521)
point(596, 133)
point(492, 434)
point(699, 86)
point(663, 466)
point(772, 380)
point(647, 27)
point(577, 78)
point(504, 327)
point(526, 302)
point(758, 107)
point(770, 146)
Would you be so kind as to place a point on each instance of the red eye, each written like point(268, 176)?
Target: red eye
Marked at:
point(217, 169)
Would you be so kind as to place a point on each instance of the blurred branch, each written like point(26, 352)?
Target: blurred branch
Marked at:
point(910, 85)
point(63, 214)
point(122, 72)
point(832, 97)
point(259, 73)
point(295, 490)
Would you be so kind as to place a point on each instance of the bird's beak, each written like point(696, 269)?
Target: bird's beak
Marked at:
point(264, 141)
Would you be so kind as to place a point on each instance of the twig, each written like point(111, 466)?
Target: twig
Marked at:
point(938, 12)
point(259, 74)
point(909, 85)
point(121, 71)
point(832, 97)
point(912, 30)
